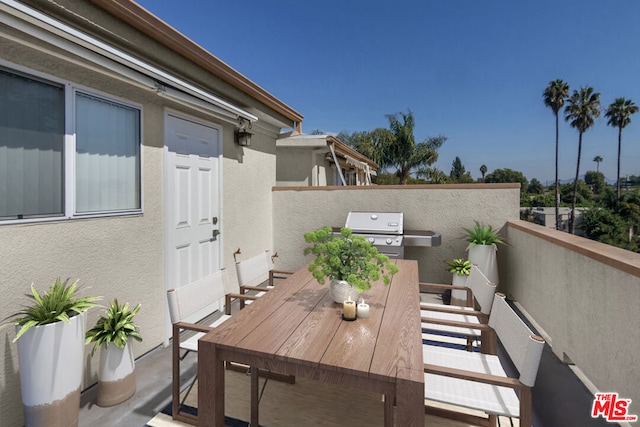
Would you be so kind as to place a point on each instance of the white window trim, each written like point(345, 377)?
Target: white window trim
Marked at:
point(69, 146)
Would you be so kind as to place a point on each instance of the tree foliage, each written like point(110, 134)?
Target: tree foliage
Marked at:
point(619, 115)
point(458, 172)
point(582, 110)
point(507, 175)
point(554, 97)
point(395, 147)
point(595, 180)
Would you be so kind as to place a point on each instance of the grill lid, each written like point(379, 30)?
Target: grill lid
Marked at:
point(375, 222)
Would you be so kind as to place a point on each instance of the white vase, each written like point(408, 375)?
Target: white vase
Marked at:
point(486, 259)
point(51, 363)
point(116, 377)
point(459, 297)
point(340, 291)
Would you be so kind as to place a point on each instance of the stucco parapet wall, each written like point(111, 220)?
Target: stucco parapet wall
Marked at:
point(403, 187)
point(621, 259)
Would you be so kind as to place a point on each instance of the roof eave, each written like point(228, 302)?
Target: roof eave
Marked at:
point(152, 26)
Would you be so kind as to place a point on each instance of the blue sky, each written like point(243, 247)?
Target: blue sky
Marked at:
point(471, 70)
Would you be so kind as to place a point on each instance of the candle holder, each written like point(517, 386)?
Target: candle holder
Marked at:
point(349, 310)
point(363, 309)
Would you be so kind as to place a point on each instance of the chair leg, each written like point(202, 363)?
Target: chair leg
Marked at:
point(526, 411)
point(255, 383)
point(175, 407)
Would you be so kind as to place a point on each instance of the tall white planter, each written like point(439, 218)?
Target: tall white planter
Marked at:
point(51, 362)
point(116, 377)
point(486, 259)
point(459, 297)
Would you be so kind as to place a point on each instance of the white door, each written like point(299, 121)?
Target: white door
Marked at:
point(192, 202)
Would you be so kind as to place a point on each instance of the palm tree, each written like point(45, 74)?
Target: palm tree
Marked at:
point(597, 159)
point(583, 109)
point(619, 114)
point(403, 152)
point(483, 170)
point(554, 96)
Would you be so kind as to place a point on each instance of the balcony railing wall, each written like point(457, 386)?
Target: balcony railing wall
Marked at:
point(584, 296)
point(443, 208)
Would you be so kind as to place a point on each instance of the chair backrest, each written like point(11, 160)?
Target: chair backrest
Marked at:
point(522, 345)
point(196, 300)
point(483, 290)
point(255, 270)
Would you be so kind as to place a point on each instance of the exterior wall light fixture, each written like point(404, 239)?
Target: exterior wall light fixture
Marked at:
point(242, 136)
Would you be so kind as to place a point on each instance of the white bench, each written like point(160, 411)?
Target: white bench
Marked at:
point(478, 381)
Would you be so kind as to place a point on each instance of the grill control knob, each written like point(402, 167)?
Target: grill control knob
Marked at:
point(389, 241)
point(371, 239)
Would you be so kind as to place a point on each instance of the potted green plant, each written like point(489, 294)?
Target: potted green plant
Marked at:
point(50, 338)
point(350, 262)
point(461, 268)
point(116, 375)
point(483, 245)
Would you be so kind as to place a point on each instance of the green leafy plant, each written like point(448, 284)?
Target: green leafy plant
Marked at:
point(347, 257)
point(459, 266)
point(482, 235)
point(58, 304)
point(115, 326)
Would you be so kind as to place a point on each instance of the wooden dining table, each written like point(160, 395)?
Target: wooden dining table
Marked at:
point(297, 329)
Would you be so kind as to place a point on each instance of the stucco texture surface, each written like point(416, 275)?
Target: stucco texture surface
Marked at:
point(446, 209)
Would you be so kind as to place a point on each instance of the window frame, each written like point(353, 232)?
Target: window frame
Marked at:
point(69, 148)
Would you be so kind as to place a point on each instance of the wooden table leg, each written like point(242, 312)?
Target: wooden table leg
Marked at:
point(210, 386)
point(255, 385)
point(410, 398)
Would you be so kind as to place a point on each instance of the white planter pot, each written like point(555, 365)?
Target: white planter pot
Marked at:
point(51, 362)
point(116, 377)
point(486, 259)
point(458, 297)
point(341, 291)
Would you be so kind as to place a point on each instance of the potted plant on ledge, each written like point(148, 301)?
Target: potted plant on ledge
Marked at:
point(50, 336)
point(116, 375)
point(483, 241)
point(350, 262)
point(461, 268)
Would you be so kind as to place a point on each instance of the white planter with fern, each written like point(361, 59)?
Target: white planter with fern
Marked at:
point(50, 337)
point(116, 376)
point(51, 360)
point(485, 256)
point(483, 247)
point(112, 334)
point(460, 268)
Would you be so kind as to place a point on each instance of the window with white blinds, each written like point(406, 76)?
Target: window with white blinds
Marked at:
point(45, 158)
point(107, 155)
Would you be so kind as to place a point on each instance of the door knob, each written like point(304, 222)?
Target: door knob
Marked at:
point(215, 233)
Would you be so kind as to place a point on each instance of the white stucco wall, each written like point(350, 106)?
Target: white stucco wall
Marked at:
point(584, 295)
point(443, 208)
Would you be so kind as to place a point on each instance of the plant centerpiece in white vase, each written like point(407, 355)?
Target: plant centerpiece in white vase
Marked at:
point(116, 375)
point(461, 268)
point(350, 262)
point(50, 336)
point(483, 241)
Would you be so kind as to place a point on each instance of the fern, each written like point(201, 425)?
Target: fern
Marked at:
point(58, 304)
point(115, 326)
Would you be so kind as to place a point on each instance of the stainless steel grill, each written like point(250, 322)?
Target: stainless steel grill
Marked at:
point(385, 230)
